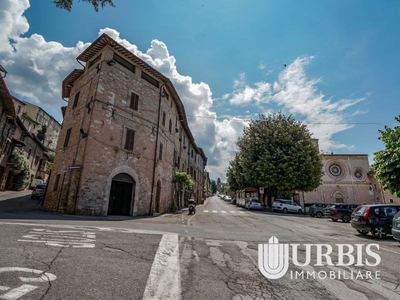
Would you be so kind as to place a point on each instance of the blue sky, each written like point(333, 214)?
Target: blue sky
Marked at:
point(226, 59)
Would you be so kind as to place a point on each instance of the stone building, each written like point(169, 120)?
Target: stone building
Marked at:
point(347, 178)
point(34, 117)
point(14, 136)
point(124, 134)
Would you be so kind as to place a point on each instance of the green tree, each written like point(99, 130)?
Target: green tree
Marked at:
point(213, 186)
point(387, 162)
point(277, 152)
point(22, 164)
point(41, 135)
point(182, 180)
point(235, 174)
point(67, 4)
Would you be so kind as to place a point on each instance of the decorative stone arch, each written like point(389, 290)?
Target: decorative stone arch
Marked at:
point(338, 196)
point(118, 170)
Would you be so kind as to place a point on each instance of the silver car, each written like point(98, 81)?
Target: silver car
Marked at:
point(38, 191)
point(254, 204)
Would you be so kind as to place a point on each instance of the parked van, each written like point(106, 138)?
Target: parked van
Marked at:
point(35, 182)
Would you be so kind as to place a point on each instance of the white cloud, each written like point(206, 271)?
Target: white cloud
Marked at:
point(298, 95)
point(36, 68)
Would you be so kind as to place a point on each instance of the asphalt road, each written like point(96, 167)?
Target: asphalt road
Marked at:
point(210, 255)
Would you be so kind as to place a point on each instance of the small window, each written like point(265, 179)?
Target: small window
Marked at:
point(163, 118)
point(160, 154)
point(124, 63)
point(76, 99)
point(391, 200)
point(150, 79)
point(56, 182)
point(170, 126)
point(67, 136)
point(129, 139)
point(94, 61)
point(134, 104)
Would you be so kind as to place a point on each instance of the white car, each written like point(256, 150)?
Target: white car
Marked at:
point(286, 206)
point(228, 198)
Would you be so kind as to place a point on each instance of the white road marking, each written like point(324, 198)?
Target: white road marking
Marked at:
point(4, 288)
point(224, 212)
point(214, 211)
point(389, 250)
point(164, 281)
point(232, 212)
point(18, 292)
point(205, 211)
point(62, 238)
point(24, 289)
point(241, 212)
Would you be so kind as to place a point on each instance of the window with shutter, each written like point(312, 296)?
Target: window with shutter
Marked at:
point(67, 136)
point(161, 152)
point(134, 104)
point(76, 99)
point(129, 139)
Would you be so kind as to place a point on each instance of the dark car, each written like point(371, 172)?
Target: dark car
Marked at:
point(318, 209)
point(341, 211)
point(374, 218)
point(38, 191)
point(396, 227)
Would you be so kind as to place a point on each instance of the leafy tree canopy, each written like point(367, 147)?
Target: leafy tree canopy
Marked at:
point(41, 135)
point(184, 179)
point(276, 152)
point(387, 161)
point(67, 4)
point(22, 164)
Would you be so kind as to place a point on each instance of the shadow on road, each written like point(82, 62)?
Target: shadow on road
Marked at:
point(20, 206)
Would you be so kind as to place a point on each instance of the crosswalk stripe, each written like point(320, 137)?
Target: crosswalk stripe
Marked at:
point(224, 212)
point(214, 211)
point(232, 212)
point(205, 210)
point(241, 212)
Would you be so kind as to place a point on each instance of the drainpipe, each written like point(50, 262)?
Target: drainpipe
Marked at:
point(155, 151)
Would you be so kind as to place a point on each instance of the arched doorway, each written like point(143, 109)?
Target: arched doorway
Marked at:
point(158, 196)
point(121, 195)
point(339, 198)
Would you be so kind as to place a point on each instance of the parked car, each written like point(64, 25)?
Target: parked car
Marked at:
point(248, 200)
point(233, 200)
point(396, 226)
point(36, 182)
point(318, 209)
point(374, 218)
point(286, 206)
point(253, 204)
point(341, 211)
point(38, 191)
point(228, 198)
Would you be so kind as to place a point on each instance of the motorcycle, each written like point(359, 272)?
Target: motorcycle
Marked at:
point(192, 206)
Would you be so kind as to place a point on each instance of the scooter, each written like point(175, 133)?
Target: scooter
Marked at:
point(192, 206)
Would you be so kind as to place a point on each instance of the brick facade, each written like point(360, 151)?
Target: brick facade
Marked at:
point(118, 99)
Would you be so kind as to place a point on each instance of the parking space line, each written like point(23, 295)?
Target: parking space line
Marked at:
point(390, 250)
